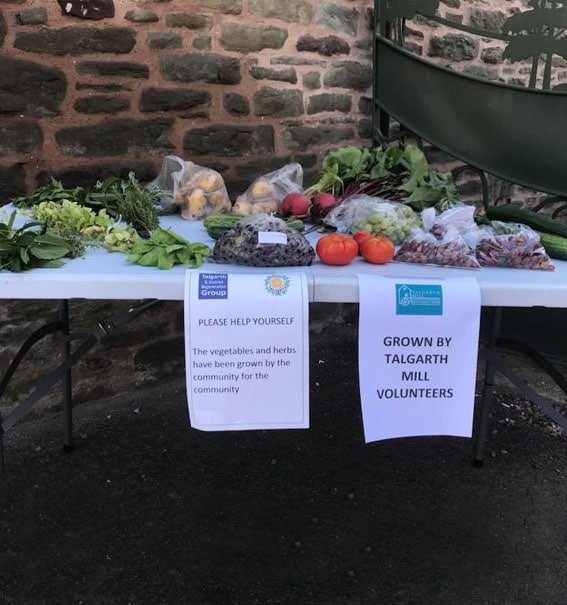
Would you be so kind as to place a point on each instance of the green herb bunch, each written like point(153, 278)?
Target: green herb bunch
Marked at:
point(30, 246)
point(164, 249)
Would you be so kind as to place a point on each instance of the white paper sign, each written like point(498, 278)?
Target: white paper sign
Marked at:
point(418, 345)
point(247, 350)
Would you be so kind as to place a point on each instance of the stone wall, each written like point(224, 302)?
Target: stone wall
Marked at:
point(243, 87)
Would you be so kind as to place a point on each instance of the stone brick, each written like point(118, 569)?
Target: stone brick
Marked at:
point(327, 46)
point(228, 7)
point(206, 67)
point(170, 99)
point(349, 74)
point(93, 9)
point(3, 28)
point(492, 55)
point(452, 3)
point(189, 21)
point(454, 17)
point(454, 47)
point(329, 102)
point(280, 75)
point(122, 69)
point(12, 182)
point(230, 141)
point(140, 15)
point(101, 104)
point(307, 160)
point(486, 19)
point(365, 128)
point(19, 137)
point(302, 138)
point(338, 18)
point(295, 60)
point(32, 16)
point(312, 80)
point(77, 40)
point(30, 88)
point(202, 43)
point(88, 176)
point(245, 38)
point(161, 40)
point(365, 105)
point(480, 71)
point(117, 138)
point(278, 103)
point(252, 170)
point(236, 104)
point(101, 87)
point(364, 44)
point(291, 11)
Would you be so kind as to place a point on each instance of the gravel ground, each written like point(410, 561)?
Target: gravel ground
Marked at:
point(149, 511)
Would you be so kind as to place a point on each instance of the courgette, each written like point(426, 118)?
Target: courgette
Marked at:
point(216, 224)
point(555, 245)
point(514, 214)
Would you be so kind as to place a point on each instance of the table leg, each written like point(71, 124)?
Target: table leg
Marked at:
point(66, 384)
point(488, 388)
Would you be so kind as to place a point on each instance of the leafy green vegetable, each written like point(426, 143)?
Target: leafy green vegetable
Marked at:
point(165, 249)
point(393, 173)
point(26, 247)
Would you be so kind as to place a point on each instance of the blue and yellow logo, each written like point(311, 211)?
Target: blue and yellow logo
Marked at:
point(277, 285)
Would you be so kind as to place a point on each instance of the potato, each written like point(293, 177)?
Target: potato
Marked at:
point(261, 189)
point(266, 207)
point(208, 181)
point(242, 207)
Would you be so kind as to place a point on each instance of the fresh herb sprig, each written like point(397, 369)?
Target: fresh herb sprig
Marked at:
point(164, 249)
point(30, 246)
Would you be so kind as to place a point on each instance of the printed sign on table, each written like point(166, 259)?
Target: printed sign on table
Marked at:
point(418, 346)
point(247, 350)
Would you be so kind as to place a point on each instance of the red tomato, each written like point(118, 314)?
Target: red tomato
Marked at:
point(377, 249)
point(336, 249)
point(361, 235)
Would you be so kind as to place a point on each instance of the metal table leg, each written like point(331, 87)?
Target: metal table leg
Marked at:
point(488, 388)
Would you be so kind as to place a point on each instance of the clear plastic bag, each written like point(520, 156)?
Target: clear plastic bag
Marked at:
point(375, 215)
point(263, 241)
point(509, 245)
point(266, 193)
point(444, 246)
point(197, 190)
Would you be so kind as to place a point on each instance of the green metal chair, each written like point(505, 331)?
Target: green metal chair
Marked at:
point(516, 133)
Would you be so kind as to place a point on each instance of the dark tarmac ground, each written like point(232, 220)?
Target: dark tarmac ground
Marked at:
point(147, 510)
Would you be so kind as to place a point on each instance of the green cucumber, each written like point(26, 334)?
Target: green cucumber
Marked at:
point(514, 214)
point(216, 224)
point(555, 245)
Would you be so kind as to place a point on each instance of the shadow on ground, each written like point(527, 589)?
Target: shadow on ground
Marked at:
point(149, 511)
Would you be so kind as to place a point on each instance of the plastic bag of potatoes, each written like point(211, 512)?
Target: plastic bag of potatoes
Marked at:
point(196, 190)
point(267, 192)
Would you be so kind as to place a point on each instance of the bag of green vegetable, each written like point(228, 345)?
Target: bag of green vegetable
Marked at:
point(263, 241)
point(373, 215)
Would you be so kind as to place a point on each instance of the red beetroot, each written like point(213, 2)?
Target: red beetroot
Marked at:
point(324, 202)
point(295, 204)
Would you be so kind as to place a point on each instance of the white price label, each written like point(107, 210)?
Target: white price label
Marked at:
point(272, 237)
